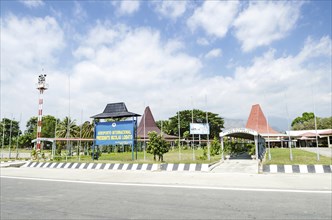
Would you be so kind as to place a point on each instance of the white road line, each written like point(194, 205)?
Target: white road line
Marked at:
point(174, 186)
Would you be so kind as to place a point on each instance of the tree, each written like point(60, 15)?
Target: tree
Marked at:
point(164, 126)
point(307, 122)
point(157, 146)
point(87, 130)
point(216, 123)
point(63, 127)
point(9, 128)
point(306, 116)
point(322, 123)
point(48, 126)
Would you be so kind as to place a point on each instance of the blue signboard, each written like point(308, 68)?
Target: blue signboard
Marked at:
point(113, 133)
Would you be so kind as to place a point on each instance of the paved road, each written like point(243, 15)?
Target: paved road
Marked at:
point(325, 151)
point(37, 199)
point(13, 155)
point(270, 181)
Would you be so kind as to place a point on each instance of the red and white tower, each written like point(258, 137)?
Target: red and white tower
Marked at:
point(41, 86)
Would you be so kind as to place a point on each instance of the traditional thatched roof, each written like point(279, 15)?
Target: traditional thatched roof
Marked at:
point(257, 121)
point(148, 124)
point(115, 110)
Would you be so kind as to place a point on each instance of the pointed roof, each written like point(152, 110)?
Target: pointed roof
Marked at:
point(115, 110)
point(257, 121)
point(148, 124)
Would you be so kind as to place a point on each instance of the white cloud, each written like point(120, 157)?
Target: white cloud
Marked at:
point(202, 41)
point(30, 41)
point(32, 3)
point(214, 17)
point(171, 9)
point(27, 46)
point(78, 12)
point(275, 82)
point(116, 63)
point(136, 67)
point(126, 7)
point(213, 53)
point(264, 22)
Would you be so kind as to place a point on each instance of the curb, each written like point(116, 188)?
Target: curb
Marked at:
point(120, 166)
point(297, 168)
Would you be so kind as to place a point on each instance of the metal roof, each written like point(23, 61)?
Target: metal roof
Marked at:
point(115, 110)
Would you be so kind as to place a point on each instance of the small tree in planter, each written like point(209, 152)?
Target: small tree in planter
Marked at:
point(157, 146)
point(227, 150)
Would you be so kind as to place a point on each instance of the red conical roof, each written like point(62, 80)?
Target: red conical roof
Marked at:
point(257, 121)
point(148, 124)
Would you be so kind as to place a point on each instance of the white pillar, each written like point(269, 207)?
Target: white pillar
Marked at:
point(256, 145)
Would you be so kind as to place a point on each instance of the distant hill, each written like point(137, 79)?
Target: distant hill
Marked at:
point(278, 124)
point(234, 123)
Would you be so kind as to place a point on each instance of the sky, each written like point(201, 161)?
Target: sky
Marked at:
point(217, 56)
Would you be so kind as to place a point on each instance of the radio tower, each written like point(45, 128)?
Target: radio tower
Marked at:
point(41, 86)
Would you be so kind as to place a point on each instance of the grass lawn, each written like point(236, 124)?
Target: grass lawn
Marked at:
point(126, 157)
point(281, 156)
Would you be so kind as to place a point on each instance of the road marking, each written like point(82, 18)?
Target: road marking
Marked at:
point(173, 186)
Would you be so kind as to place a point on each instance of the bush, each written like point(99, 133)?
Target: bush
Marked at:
point(215, 147)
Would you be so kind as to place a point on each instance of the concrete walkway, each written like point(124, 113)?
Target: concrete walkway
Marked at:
point(324, 151)
point(237, 166)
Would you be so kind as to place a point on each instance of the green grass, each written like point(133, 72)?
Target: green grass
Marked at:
point(281, 156)
point(126, 157)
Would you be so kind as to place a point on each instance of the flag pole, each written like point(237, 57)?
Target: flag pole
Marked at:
point(192, 121)
point(208, 131)
point(179, 131)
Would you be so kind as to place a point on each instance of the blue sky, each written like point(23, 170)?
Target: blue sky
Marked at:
point(220, 56)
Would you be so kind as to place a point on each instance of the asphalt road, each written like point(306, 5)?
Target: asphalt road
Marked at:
point(25, 198)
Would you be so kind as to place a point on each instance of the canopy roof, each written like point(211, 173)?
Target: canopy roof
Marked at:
point(115, 110)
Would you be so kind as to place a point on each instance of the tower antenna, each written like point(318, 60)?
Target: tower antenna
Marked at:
point(41, 86)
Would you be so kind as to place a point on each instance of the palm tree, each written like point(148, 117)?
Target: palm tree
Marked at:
point(67, 129)
point(62, 129)
point(87, 130)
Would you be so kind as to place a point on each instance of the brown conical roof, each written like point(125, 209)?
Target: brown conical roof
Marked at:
point(257, 121)
point(148, 124)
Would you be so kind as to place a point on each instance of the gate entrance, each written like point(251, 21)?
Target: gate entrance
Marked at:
point(246, 134)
